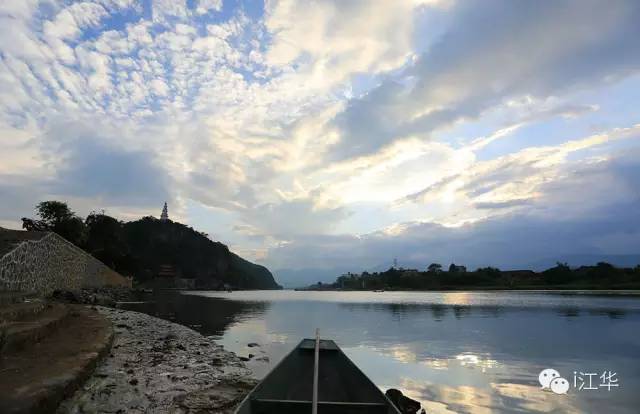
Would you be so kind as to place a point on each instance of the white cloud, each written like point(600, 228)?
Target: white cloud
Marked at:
point(163, 9)
point(204, 6)
point(332, 41)
point(159, 87)
point(512, 180)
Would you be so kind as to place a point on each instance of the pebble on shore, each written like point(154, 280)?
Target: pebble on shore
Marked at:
point(161, 367)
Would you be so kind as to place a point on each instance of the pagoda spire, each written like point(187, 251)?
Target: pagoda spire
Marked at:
point(165, 214)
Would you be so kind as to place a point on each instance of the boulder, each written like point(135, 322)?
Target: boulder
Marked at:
point(66, 296)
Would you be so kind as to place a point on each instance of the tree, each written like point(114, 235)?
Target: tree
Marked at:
point(33, 225)
point(561, 273)
point(457, 269)
point(434, 268)
point(53, 213)
point(489, 271)
point(106, 241)
point(605, 266)
point(57, 217)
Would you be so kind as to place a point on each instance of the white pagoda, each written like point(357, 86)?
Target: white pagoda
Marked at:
point(165, 214)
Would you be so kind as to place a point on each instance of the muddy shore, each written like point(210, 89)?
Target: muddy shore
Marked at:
point(161, 367)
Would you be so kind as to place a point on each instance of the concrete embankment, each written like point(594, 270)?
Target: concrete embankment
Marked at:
point(47, 350)
point(161, 367)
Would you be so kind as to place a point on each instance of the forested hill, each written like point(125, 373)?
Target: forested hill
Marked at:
point(141, 248)
point(150, 243)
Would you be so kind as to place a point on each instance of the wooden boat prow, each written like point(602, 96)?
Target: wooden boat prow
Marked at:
point(341, 387)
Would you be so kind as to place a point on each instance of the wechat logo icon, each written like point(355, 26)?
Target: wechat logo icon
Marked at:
point(550, 379)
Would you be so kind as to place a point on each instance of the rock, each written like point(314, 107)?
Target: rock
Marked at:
point(103, 300)
point(253, 344)
point(403, 403)
point(155, 367)
point(220, 398)
point(251, 356)
point(244, 358)
point(66, 296)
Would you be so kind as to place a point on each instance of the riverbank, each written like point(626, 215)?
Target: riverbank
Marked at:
point(161, 367)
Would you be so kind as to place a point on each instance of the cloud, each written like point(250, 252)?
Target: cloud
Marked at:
point(334, 40)
point(290, 218)
point(162, 10)
point(552, 228)
point(329, 125)
point(204, 6)
point(479, 64)
point(20, 194)
point(516, 179)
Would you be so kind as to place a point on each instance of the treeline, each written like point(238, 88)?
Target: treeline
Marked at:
point(139, 248)
point(562, 276)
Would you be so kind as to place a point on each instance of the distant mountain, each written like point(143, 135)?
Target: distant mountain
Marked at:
point(295, 278)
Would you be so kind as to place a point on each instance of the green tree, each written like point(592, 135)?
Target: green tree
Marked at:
point(56, 216)
point(106, 241)
point(434, 268)
point(53, 213)
point(559, 274)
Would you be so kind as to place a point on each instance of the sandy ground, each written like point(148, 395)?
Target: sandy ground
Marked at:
point(157, 366)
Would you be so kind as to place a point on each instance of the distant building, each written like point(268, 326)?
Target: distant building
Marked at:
point(165, 214)
point(166, 277)
point(167, 271)
point(457, 269)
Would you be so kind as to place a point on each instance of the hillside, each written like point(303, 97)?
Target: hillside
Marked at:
point(139, 248)
point(152, 243)
point(144, 247)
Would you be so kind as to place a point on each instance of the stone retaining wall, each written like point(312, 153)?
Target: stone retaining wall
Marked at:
point(51, 263)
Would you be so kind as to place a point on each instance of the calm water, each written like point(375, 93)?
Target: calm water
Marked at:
point(466, 352)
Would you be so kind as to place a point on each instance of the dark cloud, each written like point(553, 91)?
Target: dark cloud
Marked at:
point(493, 51)
point(87, 170)
point(574, 216)
point(502, 204)
point(18, 197)
point(93, 169)
point(296, 217)
point(511, 241)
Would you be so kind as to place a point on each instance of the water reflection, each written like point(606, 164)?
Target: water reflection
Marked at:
point(209, 317)
point(438, 311)
point(441, 399)
point(462, 352)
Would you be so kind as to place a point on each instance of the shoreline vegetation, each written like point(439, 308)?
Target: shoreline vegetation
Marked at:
point(562, 277)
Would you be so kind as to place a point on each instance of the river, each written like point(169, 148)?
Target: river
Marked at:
point(462, 352)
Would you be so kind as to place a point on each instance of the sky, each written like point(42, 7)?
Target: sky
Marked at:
point(320, 136)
